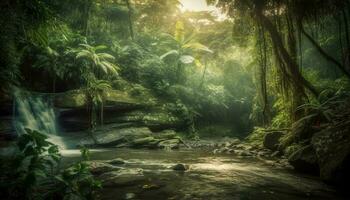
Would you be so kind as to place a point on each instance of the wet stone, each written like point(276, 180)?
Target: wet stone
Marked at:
point(116, 161)
point(180, 167)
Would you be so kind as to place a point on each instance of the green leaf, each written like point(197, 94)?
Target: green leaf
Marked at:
point(187, 59)
point(172, 52)
point(197, 47)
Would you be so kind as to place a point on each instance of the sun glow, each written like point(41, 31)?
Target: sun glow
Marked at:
point(200, 5)
point(195, 5)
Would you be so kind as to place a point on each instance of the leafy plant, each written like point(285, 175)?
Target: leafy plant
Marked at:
point(31, 169)
point(85, 153)
point(96, 61)
point(33, 172)
point(183, 51)
point(77, 182)
point(325, 106)
point(95, 95)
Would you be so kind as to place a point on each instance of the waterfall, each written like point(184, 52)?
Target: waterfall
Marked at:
point(35, 111)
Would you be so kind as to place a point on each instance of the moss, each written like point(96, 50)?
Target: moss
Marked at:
point(291, 149)
point(76, 98)
point(257, 136)
point(70, 99)
point(215, 131)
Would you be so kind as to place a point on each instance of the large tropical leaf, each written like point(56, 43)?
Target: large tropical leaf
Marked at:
point(197, 47)
point(100, 47)
point(105, 56)
point(187, 59)
point(84, 53)
point(107, 66)
point(87, 46)
point(172, 52)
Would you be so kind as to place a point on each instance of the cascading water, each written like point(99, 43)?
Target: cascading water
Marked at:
point(35, 111)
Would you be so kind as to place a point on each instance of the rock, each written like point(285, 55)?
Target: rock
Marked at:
point(130, 196)
point(243, 153)
point(216, 151)
point(332, 147)
point(305, 160)
point(70, 99)
point(151, 187)
point(231, 151)
point(116, 161)
point(276, 154)
point(77, 99)
point(122, 178)
point(227, 144)
point(239, 146)
point(180, 167)
point(262, 154)
point(118, 136)
point(235, 141)
point(169, 144)
point(140, 142)
point(165, 134)
point(271, 139)
point(99, 167)
point(157, 119)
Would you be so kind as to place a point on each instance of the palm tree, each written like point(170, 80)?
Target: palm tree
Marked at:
point(184, 49)
point(95, 97)
point(95, 61)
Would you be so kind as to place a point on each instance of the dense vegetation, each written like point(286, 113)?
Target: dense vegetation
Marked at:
point(273, 64)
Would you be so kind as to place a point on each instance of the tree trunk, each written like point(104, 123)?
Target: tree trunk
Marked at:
point(130, 19)
point(86, 16)
point(292, 66)
point(323, 53)
point(101, 113)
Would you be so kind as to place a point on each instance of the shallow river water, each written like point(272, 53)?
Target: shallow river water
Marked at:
point(222, 177)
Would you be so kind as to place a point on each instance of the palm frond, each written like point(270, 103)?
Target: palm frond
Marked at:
point(172, 52)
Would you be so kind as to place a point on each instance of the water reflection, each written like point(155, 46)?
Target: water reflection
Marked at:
point(210, 177)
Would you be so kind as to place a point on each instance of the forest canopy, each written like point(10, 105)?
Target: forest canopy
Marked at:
point(216, 69)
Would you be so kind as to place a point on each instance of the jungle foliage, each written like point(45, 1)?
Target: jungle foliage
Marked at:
point(33, 172)
point(261, 65)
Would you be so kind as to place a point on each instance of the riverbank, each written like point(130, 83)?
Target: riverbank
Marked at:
point(150, 174)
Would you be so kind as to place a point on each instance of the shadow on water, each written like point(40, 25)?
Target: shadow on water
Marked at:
point(209, 177)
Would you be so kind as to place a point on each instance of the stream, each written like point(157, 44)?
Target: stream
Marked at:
point(209, 177)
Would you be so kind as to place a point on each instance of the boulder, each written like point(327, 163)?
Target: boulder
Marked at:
point(243, 153)
point(180, 167)
point(271, 139)
point(70, 99)
point(116, 161)
point(156, 119)
point(72, 113)
point(149, 142)
point(332, 147)
point(99, 167)
point(165, 134)
point(117, 136)
point(169, 144)
point(305, 160)
point(77, 99)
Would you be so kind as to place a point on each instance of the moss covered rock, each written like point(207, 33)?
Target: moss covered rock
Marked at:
point(332, 147)
point(77, 98)
point(305, 160)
